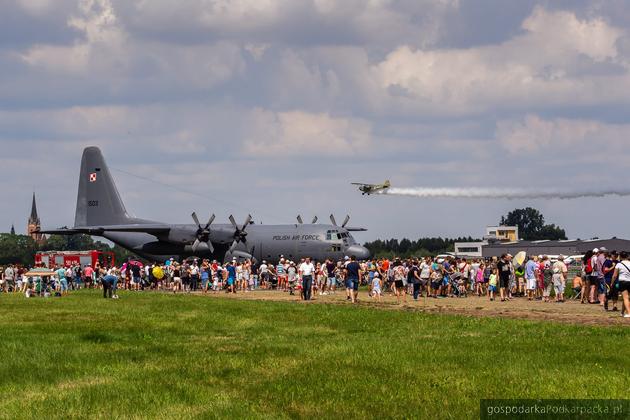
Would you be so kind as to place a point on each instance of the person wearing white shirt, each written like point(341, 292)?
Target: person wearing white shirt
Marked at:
point(306, 270)
point(622, 278)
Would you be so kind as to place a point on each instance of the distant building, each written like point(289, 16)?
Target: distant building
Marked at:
point(12, 229)
point(554, 248)
point(502, 233)
point(494, 235)
point(34, 224)
point(469, 249)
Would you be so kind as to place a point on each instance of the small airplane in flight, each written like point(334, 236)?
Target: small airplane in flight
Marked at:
point(100, 212)
point(372, 188)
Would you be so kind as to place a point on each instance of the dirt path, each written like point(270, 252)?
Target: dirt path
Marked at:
point(519, 308)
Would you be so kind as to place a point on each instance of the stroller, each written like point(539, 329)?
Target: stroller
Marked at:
point(458, 285)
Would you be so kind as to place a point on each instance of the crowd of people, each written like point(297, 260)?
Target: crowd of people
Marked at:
point(601, 277)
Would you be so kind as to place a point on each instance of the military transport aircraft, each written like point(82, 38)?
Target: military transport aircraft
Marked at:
point(372, 188)
point(101, 212)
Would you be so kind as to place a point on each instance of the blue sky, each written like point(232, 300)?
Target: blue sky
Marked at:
point(273, 106)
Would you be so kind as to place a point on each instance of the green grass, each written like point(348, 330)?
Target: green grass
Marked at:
point(158, 355)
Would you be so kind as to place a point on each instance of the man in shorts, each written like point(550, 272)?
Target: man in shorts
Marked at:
point(353, 274)
point(622, 278)
point(531, 273)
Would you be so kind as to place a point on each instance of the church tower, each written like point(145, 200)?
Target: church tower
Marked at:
point(34, 224)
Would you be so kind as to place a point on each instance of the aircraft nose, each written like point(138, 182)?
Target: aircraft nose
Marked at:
point(361, 252)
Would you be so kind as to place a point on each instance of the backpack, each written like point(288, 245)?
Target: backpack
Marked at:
point(589, 266)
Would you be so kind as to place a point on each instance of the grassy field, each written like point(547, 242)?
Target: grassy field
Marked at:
point(158, 355)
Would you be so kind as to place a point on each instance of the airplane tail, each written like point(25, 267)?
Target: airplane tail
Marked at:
point(386, 183)
point(98, 200)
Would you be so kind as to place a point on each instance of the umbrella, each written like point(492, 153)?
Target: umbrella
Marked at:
point(131, 262)
point(519, 259)
point(40, 272)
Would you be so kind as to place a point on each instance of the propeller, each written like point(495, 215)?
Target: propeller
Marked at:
point(203, 233)
point(345, 221)
point(240, 235)
point(300, 221)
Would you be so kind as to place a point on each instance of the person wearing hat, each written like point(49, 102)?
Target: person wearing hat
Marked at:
point(376, 287)
point(593, 277)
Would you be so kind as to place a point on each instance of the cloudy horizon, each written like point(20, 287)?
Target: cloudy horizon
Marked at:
point(272, 107)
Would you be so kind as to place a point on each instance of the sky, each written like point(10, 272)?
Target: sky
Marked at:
point(272, 107)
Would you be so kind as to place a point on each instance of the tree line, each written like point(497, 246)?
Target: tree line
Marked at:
point(531, 225)
point(419, 248)
point(21, 249)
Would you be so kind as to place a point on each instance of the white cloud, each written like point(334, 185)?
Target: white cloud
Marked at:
point(107, 53)
point(298, 133)
point(560, 137)
point(534, 68)
point(36, 7)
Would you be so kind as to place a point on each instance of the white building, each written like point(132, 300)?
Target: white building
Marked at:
point(494, 234)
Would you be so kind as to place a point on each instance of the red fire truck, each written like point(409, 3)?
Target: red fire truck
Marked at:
point(66, 258)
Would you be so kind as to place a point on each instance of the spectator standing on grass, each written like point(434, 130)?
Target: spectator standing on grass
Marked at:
point(601, 282)
point(531, 271)
point(413, 277)
point(230, 269)
point(194, 276)
point(9, 276)
point(376, 287)
point(562, 269)
point(400, 282)
point(492, 283)
point(505, 273)
point(622, 278)
point(547, 279)
point(292, 277)
point(594, 277)
point(353, 274)
point(479, 279)
point(263, 273)
point(558, 285)
point(331, 271)
point(63, 282)
point(609, 271)
point(306, 272)
point(177, 277)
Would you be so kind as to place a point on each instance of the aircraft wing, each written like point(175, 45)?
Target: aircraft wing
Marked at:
point(363, 185)
point(152, 229)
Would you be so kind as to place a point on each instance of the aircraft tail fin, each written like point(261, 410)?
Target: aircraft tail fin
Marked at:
point(387, 183)
point(98, 200)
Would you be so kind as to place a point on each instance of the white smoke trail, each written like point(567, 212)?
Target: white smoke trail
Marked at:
point(501, 193)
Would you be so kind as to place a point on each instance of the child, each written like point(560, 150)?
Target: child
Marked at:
point(376, 286)
point(479, 280)
point(492, 284)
